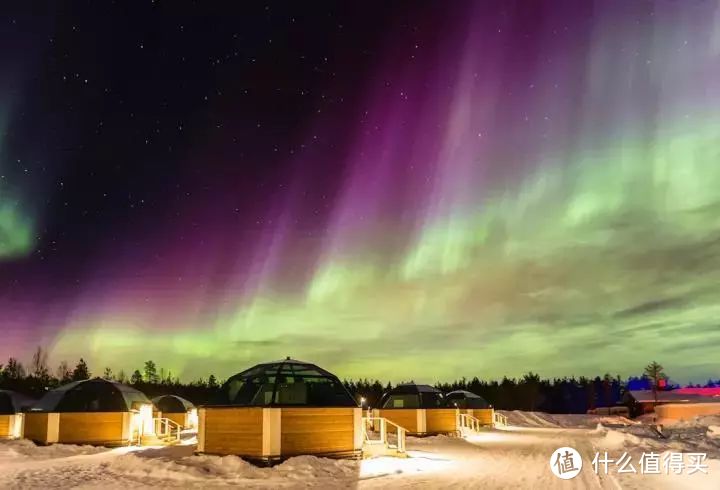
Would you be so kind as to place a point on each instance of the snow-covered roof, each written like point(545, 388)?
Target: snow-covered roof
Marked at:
point(713, 391)
point(675, 396)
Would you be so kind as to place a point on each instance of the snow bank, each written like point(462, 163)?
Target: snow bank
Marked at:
point(11, 449)
point(700, 421)
point(521, 418)
point(229, 469)
point(428, 441)
point(493, 459)
point(613, 439)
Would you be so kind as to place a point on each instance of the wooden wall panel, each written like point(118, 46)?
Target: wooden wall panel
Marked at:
point(91, 428)
point(441, 420)
point(685, 411)
point(178, 418)
point(5, 425)
point(36, 426)
point(233, 431)
point(404, 417)
point(484, 415)
point(316, 431)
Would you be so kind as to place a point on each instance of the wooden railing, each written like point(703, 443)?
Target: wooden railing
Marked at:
point(136, 438)
point(499, 419)
point(382, 423)
point(468, 422)
point(165, 427)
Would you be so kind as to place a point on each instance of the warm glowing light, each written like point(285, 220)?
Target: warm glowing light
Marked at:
point(17, 424)
point(143, 419)
point(193, 418)
point(135, 424)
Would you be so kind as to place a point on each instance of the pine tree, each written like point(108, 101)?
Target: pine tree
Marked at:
point(151, 375)
point(212, 382)
point(654, 371)
point(63, 373)
point(81, 371)
point(13, 370)
point(108, 374)
point(530, 386)
point(38, 366)
point(136, 378)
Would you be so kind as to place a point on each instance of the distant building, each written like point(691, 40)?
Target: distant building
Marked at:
point(709, 392)
point(465, 399)
point(177, 409)
point(411, 395)
point(640, 402)
point(92, 411)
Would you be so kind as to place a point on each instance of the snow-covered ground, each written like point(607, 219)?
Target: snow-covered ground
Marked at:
point(540, 419)
point(517, 457)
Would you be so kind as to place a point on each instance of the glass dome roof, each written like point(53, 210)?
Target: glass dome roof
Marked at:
point(465, 399)
point(172, 404)
point(12, 402)
point(91, 395)
point(285, 383)
point(411, 395)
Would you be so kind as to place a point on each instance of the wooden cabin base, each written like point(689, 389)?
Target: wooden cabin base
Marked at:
point(95, 428)
point(421, 422)
point(182, 419)
point(486, 416)
point(270, 435)
point(674, 412)
point(11, 426)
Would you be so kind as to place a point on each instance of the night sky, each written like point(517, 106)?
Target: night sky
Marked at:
point(407, 190)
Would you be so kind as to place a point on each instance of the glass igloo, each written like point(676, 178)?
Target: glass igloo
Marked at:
point(285, 383)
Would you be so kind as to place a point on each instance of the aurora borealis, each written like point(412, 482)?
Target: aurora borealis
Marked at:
point(417, 191)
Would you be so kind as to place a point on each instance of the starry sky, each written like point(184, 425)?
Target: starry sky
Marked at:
point(404, 190)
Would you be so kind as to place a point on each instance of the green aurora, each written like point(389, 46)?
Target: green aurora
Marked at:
point(628, 270)
point(531, 189)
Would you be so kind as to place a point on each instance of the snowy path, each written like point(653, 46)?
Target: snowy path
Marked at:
point(501, 459)
point(519, 458)
point(516, 458)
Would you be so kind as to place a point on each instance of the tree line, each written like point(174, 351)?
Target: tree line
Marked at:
point(37, 378)
point(529, 392)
